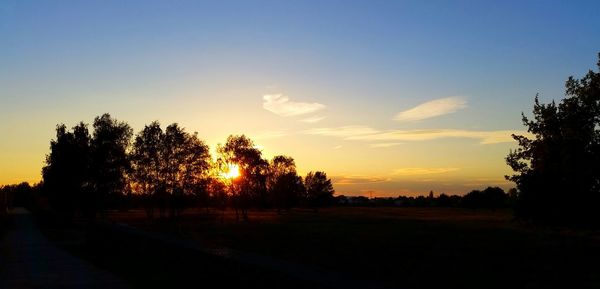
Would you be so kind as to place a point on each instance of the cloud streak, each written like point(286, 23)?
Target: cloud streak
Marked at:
point(385, 145)
point(365, 133)
point(281, 105)
point(353, 180)
point(313, 119)
point(422, 171)
point(484, 137)
point(432, 109)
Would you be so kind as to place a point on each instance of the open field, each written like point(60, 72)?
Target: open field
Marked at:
point(401, 247)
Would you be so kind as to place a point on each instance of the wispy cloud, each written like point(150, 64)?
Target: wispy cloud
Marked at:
point(385, 144)
point(313, 119)
point(365, 133)
point(337, 147)
point(343, 131)
point(422, 171)
point(432, 108)
point(352, 180)
point(484, 137)
point(281, 105)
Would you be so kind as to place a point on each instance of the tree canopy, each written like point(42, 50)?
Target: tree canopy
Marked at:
point(557, 169)
point(168, 169)
point(319, 189)
point(283, 183)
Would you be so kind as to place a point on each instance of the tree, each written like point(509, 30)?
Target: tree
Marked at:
point(187, 163)
point(283, 183)
point(109, 161)
point(146, 162)
point(250, 186)
point(557, 169)
point(490, 198)
point(17, 195)
point(169, 165)
point(319, 190)
point(66, 175)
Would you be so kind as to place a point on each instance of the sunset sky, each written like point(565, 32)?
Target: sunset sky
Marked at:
point(401, 97)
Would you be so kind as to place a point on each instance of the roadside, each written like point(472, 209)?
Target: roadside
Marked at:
point(30, 260)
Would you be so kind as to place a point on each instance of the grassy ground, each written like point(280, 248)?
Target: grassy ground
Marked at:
point(402, 247)
point(144, 263)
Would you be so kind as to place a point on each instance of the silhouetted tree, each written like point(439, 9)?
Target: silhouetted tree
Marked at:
point(557, 170)
point(217, 191)
point(18, 195)
point(283, 183)
point(146, 161)
point(187, 164)
point(444, 200)
point(319, 190)
point(490, 198)
point(109, 159)
point(250, 187)
point(66, 175)
point(169, 165)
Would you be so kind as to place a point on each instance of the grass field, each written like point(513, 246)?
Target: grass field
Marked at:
point(401, 247)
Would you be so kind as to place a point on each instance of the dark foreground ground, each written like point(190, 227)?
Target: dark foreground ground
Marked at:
point(29, 260)
point(338, 248)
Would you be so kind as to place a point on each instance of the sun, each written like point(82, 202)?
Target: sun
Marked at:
point(231, 172)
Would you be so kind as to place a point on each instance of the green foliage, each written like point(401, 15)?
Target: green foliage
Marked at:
point(557, 171)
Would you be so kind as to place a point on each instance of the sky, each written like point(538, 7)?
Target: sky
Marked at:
point(387, 97)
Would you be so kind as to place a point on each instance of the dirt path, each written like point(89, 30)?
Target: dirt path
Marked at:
point(30, 260)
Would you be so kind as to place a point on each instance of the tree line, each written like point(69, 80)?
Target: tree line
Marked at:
point(167, 170)
point(17, 195)
point(489, 198)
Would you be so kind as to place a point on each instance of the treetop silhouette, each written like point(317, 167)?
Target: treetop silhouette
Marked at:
point(557, 171)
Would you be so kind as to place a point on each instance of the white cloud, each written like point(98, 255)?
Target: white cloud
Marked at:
point(281, 105)
point(313, 119)
point(422, 171)
point(337, 147)
point(484, 137)
point(359, 132)
point(432, 108)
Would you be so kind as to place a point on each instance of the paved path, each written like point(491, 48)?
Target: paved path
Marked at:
point(29, 260)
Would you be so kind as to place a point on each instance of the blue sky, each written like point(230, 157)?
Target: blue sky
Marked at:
point(209, 66)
